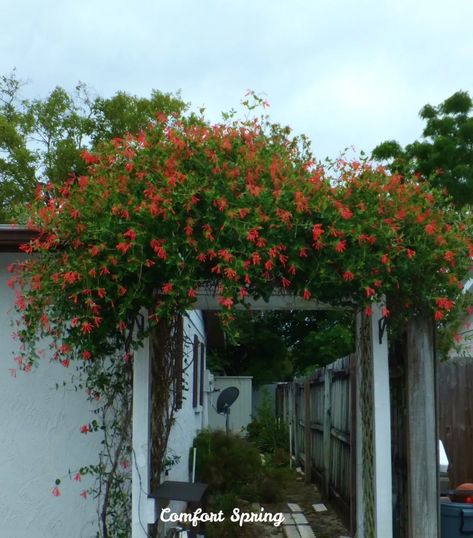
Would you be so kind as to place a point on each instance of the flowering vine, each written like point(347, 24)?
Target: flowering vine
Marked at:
point(241, 208)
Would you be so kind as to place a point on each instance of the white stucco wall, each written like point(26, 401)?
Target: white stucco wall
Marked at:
point(40, 441)
point(188, 420)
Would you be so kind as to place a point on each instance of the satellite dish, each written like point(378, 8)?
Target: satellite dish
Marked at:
point(224, 401)
point(226, 398)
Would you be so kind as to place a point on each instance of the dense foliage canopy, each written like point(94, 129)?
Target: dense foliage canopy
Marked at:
point(239, 207)
point(42, 139)
point(445, 153)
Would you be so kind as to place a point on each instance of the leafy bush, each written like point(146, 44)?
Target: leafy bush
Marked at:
point(226, 462)
point(234, 470)
point(271, 488)
point(269, 433)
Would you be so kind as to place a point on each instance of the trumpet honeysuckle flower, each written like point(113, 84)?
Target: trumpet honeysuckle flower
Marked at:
point(239, 206)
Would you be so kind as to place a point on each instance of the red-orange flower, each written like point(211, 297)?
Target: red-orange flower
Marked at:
point(130, 234)
point(445, 303)
point(227, 302)
point(157, 246)
point(449, 256)
point(369, 291)
point(317, 231)
point(167, 288)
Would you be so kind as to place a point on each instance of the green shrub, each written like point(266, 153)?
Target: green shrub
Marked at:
point(226, 462)
point(271, 487)
point(267, 432)
point(234, 470)
point(225, 502)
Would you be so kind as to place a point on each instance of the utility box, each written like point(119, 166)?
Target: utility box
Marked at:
point(240, 411)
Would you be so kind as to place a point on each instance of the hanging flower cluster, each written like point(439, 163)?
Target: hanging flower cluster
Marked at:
point(240, 207)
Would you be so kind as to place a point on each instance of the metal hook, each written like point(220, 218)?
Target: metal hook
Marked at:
point(382, 323)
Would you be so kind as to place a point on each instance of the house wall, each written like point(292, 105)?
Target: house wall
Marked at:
point(188, 420)
point(40, 441)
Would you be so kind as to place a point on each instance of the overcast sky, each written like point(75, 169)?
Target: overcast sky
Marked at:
point(346, 73)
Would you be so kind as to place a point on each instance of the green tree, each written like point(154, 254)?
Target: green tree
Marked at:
point(444, 154)
point(41, 140)
point(276, 345)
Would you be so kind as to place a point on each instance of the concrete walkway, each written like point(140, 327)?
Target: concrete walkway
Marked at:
point(305, 515)
point(296, 525)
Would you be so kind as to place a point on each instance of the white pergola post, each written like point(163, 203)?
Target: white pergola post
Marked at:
point(374, 352)
point(143, 508)
point(382, 429)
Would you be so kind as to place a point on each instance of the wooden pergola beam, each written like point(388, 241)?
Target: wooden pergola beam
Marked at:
point(280, 300)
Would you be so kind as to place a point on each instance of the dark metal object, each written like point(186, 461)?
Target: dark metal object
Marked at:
point(193, 493)
point(226, 398)
point(180, 491)
point(224, 401)
point(382, 324)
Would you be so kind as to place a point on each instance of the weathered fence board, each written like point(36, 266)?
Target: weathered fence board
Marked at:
point(456, 417)
point(322, 420)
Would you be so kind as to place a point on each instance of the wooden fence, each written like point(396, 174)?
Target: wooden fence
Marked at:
point(456, 417)
point(321, 410)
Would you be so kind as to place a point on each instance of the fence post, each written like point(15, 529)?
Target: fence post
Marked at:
point(327, 433)
point(297, 422)
point(307, 434)
point(422, 479)
point(353, 444)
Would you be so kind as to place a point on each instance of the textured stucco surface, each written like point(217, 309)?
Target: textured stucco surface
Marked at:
point(189, 421)
point(40, 441)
